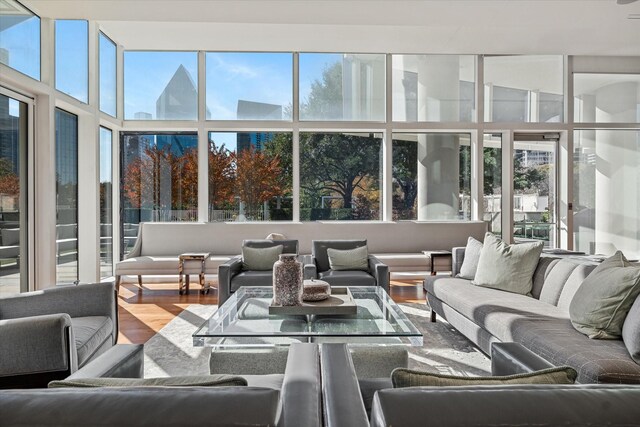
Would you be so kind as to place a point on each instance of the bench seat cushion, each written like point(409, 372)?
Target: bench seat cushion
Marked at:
point(90, 334)
point(167, 264)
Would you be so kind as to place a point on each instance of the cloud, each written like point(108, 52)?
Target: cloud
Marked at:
point(235, 69)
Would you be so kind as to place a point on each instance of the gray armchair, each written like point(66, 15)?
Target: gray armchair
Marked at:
point(317, 266)
point(47, 335)
point(231, 275)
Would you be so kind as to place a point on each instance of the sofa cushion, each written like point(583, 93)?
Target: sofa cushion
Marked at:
point(556, 280)
point(260, 259)
point(319, 250)
point(402, 377)
point(602, 302)
point(348, 259)
point(348, 278)
point(471, 258)
point(631, 331)
point(168, 264)
point(10, 236)
point(545, 264)
point(179, 381)
point(573, 283)
point(252, 278)
point(90, 333)
point(507, 267)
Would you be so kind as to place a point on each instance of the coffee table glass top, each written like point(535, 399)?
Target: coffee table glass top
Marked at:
point(244, 320)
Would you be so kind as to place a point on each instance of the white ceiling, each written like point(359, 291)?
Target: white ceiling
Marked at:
point(577, 27)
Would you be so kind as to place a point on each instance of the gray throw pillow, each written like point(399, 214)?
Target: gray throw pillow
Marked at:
point(471, 258)
point(600, 305)
point(260, 259)
point(402, 377)
point(631, 331)
point(349, 259)
point(507, 267)
point(187, 381)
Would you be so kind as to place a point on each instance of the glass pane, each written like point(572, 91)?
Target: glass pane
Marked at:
point(434, 88)
point(20, 39)
point(431, 176)
point(534, 197)
point(524, 88)
point(161, 86)
point(493, 183)
point(159, 180)
point(250, 176)
point(106, 208)
point(66, 197)
point(606, 191)
point(13, 192)
point(340, 176)
point(107, 76)
point(336, 86)
point(72, 58)
point(606, 98)
point(249, 86)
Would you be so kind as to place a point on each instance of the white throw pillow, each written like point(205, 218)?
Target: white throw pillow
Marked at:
point(507, 267)
point(349, 259)
point(471, 258)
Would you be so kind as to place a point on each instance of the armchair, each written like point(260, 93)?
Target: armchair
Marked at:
point(47, 335)
point(317, 266)
point(231, 275)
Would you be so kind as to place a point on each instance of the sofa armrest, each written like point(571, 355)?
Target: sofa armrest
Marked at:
point(301, 393)
point(510, 358)
point(341, 397)
point(136, 250)
point(310, 271)
point(37, 344)
point(457, 257)
point(380, 271)
point(120, 361)
point(226, 272)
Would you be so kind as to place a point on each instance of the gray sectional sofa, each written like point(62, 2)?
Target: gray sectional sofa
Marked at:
point(539, 322)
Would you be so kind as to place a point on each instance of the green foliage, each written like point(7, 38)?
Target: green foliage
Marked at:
point(325, 98)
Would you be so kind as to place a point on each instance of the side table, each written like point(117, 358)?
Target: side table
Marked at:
point(202, 258)
point(436, 254)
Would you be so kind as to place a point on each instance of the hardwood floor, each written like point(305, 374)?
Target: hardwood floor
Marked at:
point(142, 314)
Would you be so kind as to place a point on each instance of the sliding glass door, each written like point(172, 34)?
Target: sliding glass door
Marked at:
point(13, 195)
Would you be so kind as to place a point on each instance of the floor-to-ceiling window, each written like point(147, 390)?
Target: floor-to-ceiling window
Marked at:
point(250, 176)
point(106, 202)
point(492, 183)
point(159, 180)
point(431, 176)
point(66, 196)
point(13, 195)
point(534, 188)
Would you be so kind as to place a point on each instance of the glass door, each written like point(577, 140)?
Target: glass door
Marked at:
point(14, 134)
point(534, 188)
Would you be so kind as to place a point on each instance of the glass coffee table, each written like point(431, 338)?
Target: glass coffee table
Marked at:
point(244, 321)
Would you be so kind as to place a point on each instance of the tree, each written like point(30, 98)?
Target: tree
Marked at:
point(258, 177)
point(221, 175)
point(9, 180)
point(405, 173)
point(325, 97)
point(339, 164)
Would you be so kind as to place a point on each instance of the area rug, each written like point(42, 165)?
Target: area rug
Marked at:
point(170, 352)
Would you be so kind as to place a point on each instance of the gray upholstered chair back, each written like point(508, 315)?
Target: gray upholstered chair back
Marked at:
point(288, 246)
point(319, 250)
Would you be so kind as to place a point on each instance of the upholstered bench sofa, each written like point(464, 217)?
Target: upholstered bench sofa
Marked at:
point(399, 245)
point(539, 322)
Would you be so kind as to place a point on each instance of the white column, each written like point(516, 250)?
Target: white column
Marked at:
point(438, 155)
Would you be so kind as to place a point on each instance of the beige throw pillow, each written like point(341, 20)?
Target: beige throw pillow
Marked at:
point(601, 304)
point(349, 259)
point(507, 267)
point(402, 377)
point(186, 381)
point(260, 259)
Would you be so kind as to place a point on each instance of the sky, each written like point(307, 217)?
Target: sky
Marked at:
point(22, 41)
point(72, 58)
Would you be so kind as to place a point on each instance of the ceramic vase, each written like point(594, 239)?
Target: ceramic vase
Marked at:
point(287, 281)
